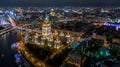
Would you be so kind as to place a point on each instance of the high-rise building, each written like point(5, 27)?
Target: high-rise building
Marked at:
point(3, 20)
point(68, 37)
point(46, 29)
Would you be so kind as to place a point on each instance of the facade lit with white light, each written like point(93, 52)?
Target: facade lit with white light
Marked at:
point(52, 38)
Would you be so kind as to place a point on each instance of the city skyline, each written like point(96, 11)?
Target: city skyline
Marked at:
point(59, 36)
point(59, 3)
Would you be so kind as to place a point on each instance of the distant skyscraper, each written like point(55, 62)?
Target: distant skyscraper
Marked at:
point(3, 20)
point(0, 22)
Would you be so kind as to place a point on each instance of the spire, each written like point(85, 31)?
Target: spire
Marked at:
point(46, 20)
point(46, 17)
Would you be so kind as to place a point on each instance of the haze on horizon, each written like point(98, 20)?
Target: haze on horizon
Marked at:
point(58, 3)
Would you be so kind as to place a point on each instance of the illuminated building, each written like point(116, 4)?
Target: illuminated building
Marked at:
point(50, 38)
point(26, 38)
point(50, 41)
point(43, 40)
point(0, 22)
point(36, 38)
point(3, 20)
point(117, 25)
point(48, 35)
point(55, 33)
point(46, 29)
point(13, 14)
point(57, 43)
point(68, 37)
point(74, 59)
point(61, 34)
point(106, 44)
point(52, 13)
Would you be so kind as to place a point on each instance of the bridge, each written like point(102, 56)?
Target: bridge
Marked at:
point(16, 27)
point(19, 28)
point(3, 32)
point(5, 29)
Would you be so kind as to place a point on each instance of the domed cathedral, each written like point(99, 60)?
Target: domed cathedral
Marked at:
point(46, 28)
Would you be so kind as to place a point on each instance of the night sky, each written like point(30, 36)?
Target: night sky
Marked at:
point(58, 3)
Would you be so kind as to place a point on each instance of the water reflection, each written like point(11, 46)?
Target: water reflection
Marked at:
point(6, 54)
point(14, 46)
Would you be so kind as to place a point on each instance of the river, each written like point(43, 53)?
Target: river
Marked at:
point(7, 58)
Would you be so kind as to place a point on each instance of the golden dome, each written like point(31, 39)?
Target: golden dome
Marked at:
point(53, 13)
